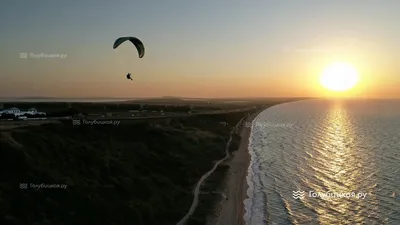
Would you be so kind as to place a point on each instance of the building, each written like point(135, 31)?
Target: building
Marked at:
point(12, 110)
point(33, 110)
point(18, 112)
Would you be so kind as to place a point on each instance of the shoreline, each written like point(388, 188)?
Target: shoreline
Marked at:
point(232, 209)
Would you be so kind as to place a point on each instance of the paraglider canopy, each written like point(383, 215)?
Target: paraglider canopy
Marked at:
point(138, 44)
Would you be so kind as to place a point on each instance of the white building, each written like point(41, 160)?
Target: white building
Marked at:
point(11, 111)
point(18, 112)
point(33, 110)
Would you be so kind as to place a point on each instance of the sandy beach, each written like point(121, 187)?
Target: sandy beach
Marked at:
point(232, 209)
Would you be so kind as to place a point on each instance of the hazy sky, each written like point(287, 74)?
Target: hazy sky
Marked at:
point(208, 48)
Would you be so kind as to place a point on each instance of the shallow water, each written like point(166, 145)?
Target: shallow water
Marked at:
point(335, 148)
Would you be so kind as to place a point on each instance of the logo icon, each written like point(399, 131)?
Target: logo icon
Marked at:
point(76, 122)
point(298, 194)
point(23, 185)
point(23, 55)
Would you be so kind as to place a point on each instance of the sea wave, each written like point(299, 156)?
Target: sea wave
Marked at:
point(339, 147)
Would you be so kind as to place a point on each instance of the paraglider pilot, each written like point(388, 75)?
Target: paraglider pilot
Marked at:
point(128, 76)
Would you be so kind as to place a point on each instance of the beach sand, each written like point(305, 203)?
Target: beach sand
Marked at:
point(232, 209)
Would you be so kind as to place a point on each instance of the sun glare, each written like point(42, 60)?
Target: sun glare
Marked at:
point(339, 77)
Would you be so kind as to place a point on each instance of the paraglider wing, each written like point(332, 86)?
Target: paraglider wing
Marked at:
point(138, 44)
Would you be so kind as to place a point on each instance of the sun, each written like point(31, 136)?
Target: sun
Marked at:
point(339, 77)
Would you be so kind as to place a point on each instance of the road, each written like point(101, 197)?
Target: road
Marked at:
point(196, 191)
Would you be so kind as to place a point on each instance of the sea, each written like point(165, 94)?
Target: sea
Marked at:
point(325, 162)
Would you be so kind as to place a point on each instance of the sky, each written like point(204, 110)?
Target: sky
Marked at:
point(209, 48)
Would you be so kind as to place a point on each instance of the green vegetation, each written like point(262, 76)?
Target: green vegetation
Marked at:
point(211, 195)
point(213, 188)
point(135, 173)
point(164, 104)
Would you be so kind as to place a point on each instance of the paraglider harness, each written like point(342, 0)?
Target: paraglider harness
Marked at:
point(128, 76)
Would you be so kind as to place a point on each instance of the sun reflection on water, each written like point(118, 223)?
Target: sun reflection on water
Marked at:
point(339, 169)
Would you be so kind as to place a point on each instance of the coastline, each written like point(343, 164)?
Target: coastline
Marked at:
point(232, 209)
